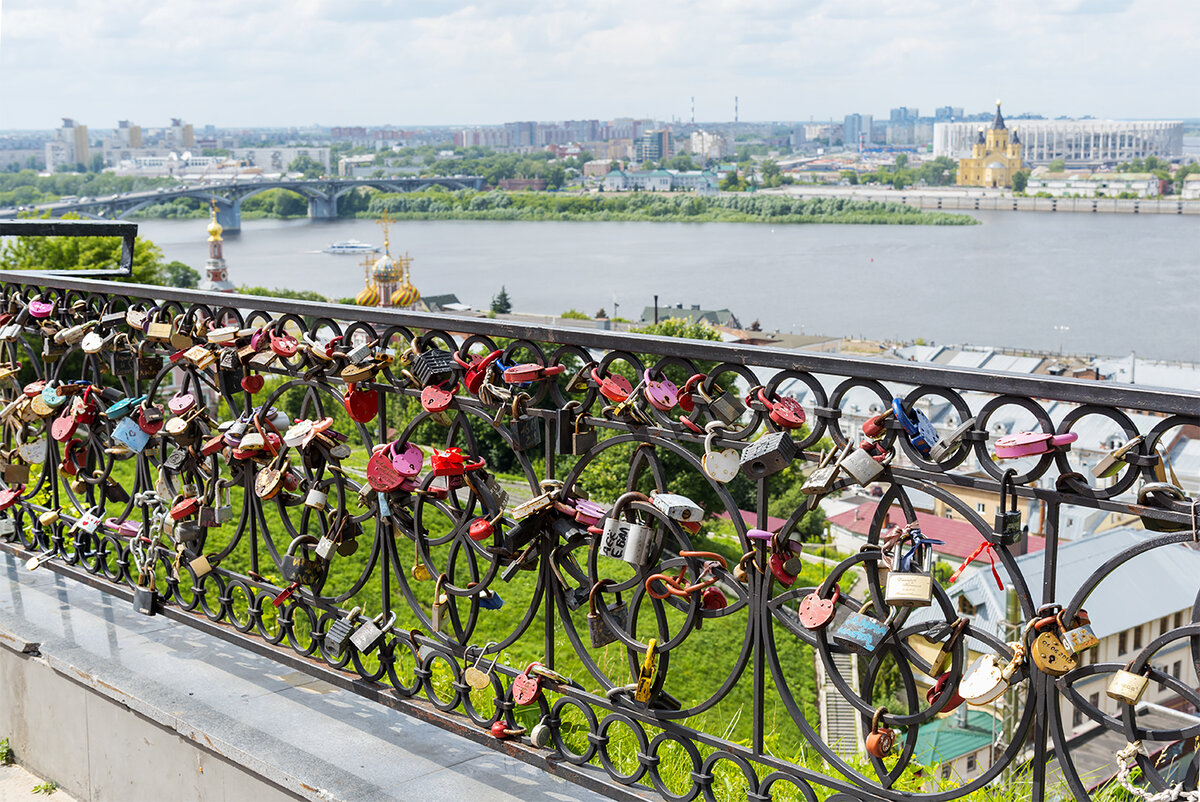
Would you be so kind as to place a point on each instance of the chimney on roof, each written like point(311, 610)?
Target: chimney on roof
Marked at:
point(696, 307)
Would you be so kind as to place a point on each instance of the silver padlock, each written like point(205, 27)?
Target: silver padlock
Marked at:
point(949, 444)
point(862, 467)
point(614, 536)
point(638, 543)
point(910, 588)
point(369, 634)
point(315, 499)
point(677, 507)
point(187, 533)
point(1080, 638)
point(326, 546)
point(359, 352)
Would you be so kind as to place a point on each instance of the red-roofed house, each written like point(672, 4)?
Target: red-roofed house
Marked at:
point(849, 529)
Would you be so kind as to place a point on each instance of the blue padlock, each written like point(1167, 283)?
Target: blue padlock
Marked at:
point(917, 426)
point(52, 397)
point(130, 434)
point(490, 600)
point(123, 407)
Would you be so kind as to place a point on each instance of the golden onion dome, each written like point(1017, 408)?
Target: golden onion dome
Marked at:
point(406, 295)
point(368, 297)
point(214, 228)
point(385, 269)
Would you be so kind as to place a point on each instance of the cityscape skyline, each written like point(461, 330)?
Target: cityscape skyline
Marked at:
point(227, 63)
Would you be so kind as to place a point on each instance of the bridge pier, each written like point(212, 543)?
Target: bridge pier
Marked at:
point(229, 215)
point(322, 208)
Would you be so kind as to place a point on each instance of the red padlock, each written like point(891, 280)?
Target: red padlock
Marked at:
point(381, 475)
point(785, 412)
point(615, 388)
point(476, 369)
point(776, 565)
point(284, 345)
point(252, 383)
point(482, 529)
point(361, 405)
point(816, 612)
point(10, 496)
point(939, 687)
point(184, 509)
point(64, 426)
point(436, 398)
point(881, 739)
point(687, 397)
point(711, 598)
point(526, 689)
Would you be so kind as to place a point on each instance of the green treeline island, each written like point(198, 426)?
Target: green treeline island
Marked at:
point(648, 206)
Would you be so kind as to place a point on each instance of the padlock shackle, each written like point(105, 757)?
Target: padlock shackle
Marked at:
point(1008, 489)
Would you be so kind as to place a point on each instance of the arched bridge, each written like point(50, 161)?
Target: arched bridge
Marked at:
point(322, 195)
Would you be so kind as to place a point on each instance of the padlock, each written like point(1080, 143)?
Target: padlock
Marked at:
point(881, 739)
point(776, 565)
point(525, 688)
point(315, 499)
point(820, 480)
point(369, 634)
point(639, 541)
point(299, 567)
point(541, 735)
point(645, 680)
point(490, 600)
point(145, 597)
point(719, 465)
point(712, 598)
point(1027, 444)
point(862, 467)
point(526, 432)
point(1151, 495)
point(1049, 654)
point(785, 412)
point(912, 588)
point(677, 507)
point(438, 605)
point(598, 628)
point(129, 434)
point(983, 681)
point(816, 612)
point(203, 565)
point(940, 686)
point(862, 633)
point(188, 534)
point(1126, 686)
point(948, 445)
point(1080, 636)
point(660, 393)
point(1008, 521)
point(479, 678)
point(917, 427)
point(434, 366)
point(149, 363)
point(339, 632)
point(768, 455)
point(942, 652)
point(8, 528)
point(583, 438)
point(726, 407)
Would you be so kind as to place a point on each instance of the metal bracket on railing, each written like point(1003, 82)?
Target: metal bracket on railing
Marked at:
point(77, 228)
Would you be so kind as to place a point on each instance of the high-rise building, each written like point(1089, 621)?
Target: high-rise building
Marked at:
point(181, 134)
point(945, 114)
point(856, 131)
point(70, 145)
point(128, 134)
point(904, 115)
point(654, 146)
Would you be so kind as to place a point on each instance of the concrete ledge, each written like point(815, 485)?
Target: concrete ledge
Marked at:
point(114, 705)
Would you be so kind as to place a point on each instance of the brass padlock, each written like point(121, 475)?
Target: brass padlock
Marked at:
point(1126, 686)
point(1049, 654)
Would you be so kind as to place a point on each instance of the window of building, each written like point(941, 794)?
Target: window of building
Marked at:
point(1122, 643)
point(965, 607)
point(949, 513)
point(1094, 654)
point(946, 769)
point(970, 763)
point(1094, 701)
point(1137, 637)
point(1164, 625)
point(1178, 620)
point(1077, 718)
point(1176, 668)
point(981, 507)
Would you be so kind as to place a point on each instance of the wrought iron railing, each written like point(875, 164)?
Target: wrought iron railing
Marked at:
point(137, 461)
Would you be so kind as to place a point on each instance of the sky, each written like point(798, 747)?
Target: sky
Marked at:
point(421, 62)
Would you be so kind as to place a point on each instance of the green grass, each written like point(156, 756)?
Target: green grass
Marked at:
point(46, 788)
point(6, 753)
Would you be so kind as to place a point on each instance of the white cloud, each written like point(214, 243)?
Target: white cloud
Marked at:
point(251, 62)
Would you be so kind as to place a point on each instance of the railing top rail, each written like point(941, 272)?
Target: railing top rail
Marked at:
point(1149, 399)
point(78, 228)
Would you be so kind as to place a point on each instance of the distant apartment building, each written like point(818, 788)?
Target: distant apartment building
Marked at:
point(705, 145)
point(128, 134)
point(830, 131)
point(660, 180)
point(597, 168)
point(160, 162)
point(654, 146)
point(1093, 185)
point(857, 130)
point(945, 114)
point(903, 115)
point(1191, 187)
point(179, 135)
point(1078, 142)
point(70, 145)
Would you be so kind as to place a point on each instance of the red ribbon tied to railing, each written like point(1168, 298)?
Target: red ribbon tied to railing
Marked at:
point(983, 547)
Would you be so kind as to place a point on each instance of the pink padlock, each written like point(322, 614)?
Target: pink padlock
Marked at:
point(126, 529)
point(589, 512)
point(408, 462)
point(40, 309)
point(1027, 444)
point(181, 402)
point(662, 393)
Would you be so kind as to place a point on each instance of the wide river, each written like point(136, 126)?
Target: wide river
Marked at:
point(1087, 283)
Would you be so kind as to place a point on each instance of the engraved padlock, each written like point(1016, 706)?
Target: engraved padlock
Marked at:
point(1126, 686)
point(862, 467)
point(768, 455)
point(912, 588)
point(1050, 655)
point(370, 634)
point(862, 633)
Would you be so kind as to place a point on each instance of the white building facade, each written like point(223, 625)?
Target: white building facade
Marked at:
point(1075, 141)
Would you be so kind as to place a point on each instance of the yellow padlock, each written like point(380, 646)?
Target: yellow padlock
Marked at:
point(646, 675)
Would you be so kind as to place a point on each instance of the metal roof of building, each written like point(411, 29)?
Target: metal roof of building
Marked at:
point(945, 739)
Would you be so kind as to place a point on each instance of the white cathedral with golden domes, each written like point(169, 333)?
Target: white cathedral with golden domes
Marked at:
point(387, 279)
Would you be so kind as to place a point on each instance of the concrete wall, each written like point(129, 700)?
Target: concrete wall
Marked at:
point(98, 749)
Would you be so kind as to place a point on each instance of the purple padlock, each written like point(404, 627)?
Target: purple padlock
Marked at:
point(259, 338)
point(662, 393)
point(409, 461)
point(589, 512)
point(40, 309)
point(759, 534)
point(126, 529)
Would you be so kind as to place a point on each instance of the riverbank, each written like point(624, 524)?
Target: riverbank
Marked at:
point(973, 199)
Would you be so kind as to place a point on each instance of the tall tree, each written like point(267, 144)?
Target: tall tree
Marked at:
point(501, 303)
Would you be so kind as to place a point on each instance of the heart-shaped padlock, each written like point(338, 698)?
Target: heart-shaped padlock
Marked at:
point(362, 406)
point(381, 474)
point(63, 428)
point(252, 383)
point(181, 402)
point(662, 393)
point(525, 689)
point(816, 612)
point(409, 461)
point(712, 598)
point(786, 412)
point(435, 398)
point(783, 577)
point(721, 465)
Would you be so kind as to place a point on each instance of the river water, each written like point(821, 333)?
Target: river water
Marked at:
point(1099, 283)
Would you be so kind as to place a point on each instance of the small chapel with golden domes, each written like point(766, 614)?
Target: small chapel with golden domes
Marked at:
point(995, 157)
point(387, 278)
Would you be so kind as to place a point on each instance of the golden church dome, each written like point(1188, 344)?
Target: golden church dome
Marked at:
point(368, 297)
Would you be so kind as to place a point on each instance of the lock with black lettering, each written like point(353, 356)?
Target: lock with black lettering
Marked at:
point(298, 567)
point(149, 363)
point(1048, 652)
point(912, 584)
point(1008, 518)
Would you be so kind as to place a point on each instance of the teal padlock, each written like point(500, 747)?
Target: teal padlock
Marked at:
point(130, 434)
